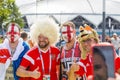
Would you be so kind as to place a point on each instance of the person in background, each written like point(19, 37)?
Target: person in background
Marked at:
point(108, 39)
point(16, 48)
point(24, 36)
point(42, 61)
point(2, 38)
point(70, 52)
point(115, 40)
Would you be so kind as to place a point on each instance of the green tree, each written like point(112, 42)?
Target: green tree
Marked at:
point(9, 12)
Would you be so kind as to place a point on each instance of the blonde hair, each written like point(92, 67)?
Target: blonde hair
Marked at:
point(69, 23)
point(46, 27)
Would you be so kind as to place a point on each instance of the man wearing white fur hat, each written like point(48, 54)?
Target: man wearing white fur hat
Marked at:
point(11, 52)
point(41, 62)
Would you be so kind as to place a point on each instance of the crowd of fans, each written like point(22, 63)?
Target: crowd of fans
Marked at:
point(46, 55)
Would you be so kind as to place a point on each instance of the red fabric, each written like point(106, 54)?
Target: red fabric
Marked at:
point(69, 52)
point(35, 55)
point(81, 71)
point(117, 63)
point(88, 65)
point(66, 57)
point(90, 68)
point(4, 55)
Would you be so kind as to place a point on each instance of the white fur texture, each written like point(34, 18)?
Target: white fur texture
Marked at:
point(46, 27)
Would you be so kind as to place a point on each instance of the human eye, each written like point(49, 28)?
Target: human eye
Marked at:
point(97, 67)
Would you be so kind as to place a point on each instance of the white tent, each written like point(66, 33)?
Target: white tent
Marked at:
point(65, 10)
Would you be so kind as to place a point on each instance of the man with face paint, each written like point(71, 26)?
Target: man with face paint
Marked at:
point(43, 60)
point(16, 48)
point(86, 39)
point(70, 52)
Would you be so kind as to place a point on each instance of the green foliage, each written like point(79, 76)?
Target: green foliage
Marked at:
point(1, 40)
point(9, 12)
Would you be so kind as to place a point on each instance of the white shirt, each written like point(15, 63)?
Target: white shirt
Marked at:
point(115, 42)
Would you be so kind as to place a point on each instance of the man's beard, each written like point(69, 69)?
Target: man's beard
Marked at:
point(44, 46)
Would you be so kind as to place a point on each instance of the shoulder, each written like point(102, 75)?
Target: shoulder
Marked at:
point(25, 44)
point(33, 52)
point(54, 50)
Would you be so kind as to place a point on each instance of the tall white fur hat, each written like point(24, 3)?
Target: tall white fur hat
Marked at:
point(46, 27)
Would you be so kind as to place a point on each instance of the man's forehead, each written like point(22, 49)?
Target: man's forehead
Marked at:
point(13, 27)
point(66, 28)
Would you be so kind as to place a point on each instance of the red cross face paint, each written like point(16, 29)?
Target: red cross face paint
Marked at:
point(13, 32)
point(67, 33)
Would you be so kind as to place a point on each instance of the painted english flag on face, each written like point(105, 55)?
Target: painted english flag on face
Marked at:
point(13, 32)
point(67, 33)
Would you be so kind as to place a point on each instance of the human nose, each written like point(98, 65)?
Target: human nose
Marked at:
point(41, 38)
point(85, 43)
